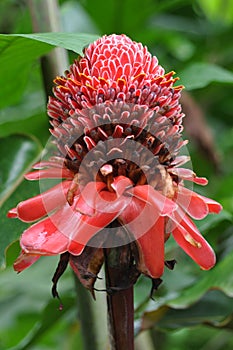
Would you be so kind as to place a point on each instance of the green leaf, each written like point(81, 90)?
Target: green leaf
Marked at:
point(19, 51)
point(199, 75)
point(36, 124)
point(17, 154)
point(51, 315)
point(206, 311)
point(28, 117)
point(28, 310)
point(220, 277)
point(185, 299)
point(17, 55)
point(70, 41)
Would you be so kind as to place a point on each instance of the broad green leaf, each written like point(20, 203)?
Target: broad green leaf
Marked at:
point(17, 154)
point(28, 310)
point(31, 104)
point(19, 51)
point(70, 41)
point(199, 75)
point(205, 311)
point(51, 315)
point(182, 290)
point(36, 125)
point(213, 220)
point(17, 55)
point(28, 117)
point(220, 277)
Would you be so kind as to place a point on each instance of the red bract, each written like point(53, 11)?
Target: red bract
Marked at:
point(117, 126)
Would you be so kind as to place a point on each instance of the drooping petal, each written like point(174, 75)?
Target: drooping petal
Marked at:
point(213, 206)
point(140, 219)
point(192, 203)
point(52, 173)
point(25, 260)
point(36, 207)
point(192, 242)
point(151, 250)
point(44, 238)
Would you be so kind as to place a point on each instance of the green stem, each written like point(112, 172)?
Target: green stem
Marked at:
point(86, 316)
point(45, 18)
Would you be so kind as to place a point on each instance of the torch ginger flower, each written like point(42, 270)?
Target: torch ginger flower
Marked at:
point(117, 125)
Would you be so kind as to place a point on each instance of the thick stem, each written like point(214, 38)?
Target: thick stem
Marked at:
point(119, 283)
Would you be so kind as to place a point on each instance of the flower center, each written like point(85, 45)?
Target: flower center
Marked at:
point(114, 139)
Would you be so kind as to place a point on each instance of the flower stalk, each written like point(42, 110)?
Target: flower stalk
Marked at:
point(119, 299)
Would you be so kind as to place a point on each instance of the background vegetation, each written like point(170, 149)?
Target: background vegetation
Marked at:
point(192, 309)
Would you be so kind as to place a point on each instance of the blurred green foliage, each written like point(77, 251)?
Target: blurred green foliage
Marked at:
point(192, 37)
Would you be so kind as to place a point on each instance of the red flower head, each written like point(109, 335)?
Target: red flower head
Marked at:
point(117, 126)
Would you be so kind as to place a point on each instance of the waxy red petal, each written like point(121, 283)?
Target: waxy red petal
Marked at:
point(163, 205)
point(189, 175)
point(139, 219)
point(25, 260)
point(151, 250)
point(48, 164)
point(36, 207)
point(120, 184)
point(12, 213)
point(213, 206)
point(192, 203)
point(52, 173)
point(192, 242)
point(86, 201)
point(44, 238)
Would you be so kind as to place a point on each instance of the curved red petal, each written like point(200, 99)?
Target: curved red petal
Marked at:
point(52, 173)
point(163, 205)
point(44, 238)
point(108, 202)
point(189, 175)
point(12, 213)
point(148, 230)
point(192, 203)
point(151, 250)
point(36, 207)
point(48, 164)
point(193, 243)
point(214, 207)
point(86, 201)
point(120, 184)
point(25, 260)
